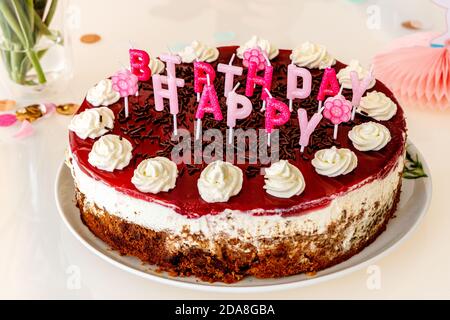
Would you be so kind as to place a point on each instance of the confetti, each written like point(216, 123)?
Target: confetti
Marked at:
point(30, 113)
point(412, 25)
point(90, 38)
point(26, 130)
point(67, 109)
point(48, 108)
point(7, 105)
point(7, 120)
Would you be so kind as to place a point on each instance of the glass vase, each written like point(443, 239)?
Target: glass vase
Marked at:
point(35, 47)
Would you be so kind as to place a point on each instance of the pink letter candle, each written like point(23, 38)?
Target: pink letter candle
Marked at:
point(139, 60)
point(209, 103)
point(307, 127)
point(293, 91)
point(253, 79)
point(277, 114)
point(201, 71)
point(359, 88)
point(329, 86)
point(171, 93)
point(230, 72)
point(235, 112)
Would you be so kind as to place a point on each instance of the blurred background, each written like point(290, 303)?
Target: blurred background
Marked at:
point(349, 28)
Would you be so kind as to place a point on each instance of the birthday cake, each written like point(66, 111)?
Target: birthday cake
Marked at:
point(222, 163)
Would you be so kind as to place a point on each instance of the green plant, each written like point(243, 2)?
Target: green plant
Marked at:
point(413, 167)
point(23, 24)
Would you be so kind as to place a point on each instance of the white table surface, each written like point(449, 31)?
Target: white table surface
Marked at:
point(41, 259)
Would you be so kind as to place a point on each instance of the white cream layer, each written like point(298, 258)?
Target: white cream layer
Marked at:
point(236, 224)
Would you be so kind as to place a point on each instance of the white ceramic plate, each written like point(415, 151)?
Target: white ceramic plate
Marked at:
point(414, 202)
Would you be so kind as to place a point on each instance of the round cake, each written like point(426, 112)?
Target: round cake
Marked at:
point(220, 220)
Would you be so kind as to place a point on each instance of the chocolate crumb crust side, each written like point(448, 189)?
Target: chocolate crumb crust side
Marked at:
point(233, 259)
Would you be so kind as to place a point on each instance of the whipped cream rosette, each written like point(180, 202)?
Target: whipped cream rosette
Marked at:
point(344, 76)
point(284, 180)
point(257, 42)
point(312, 56)
point(102, 94)
point(155, 175)
point(334, 162)
point(156, 66)
point(220, 181)
point(198, 51)
point(110, 153)
point(369, 136)
point(92, 123)
point(378, 106)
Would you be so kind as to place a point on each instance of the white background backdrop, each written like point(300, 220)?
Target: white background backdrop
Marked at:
point(41, 259)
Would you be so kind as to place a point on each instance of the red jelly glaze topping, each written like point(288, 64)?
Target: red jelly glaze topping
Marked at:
point(150, 133)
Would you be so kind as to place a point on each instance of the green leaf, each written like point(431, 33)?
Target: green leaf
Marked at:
point(51, 12)
point(39, 7)
point(413, 167)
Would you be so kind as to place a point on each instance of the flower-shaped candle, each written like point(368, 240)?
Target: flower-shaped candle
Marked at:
point(256, 60)
point(126, 84)
point(337, 109)
point(254, 55)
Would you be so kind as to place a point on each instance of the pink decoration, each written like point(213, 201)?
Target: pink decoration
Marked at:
point(209, 103)
point(419, 75)
point(255, 56)
point(359, 88)
point(25, 130)
point(277, 114)
point(172, 83)
point(48, 109)
point(416, 39)
point(7, 120)
point(293, 91)
point(139, 60)
point(307, 127)
point(443, 39)
point(125, 83)
point(201, 69)
point(234, 112)
point(253, 79)
point(329, 85)
point(337, 110)
point(230, 72)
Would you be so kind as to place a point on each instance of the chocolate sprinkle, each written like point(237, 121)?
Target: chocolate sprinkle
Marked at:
point(146, 124)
